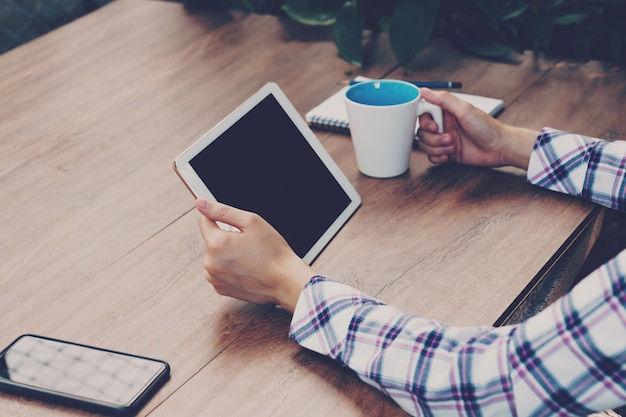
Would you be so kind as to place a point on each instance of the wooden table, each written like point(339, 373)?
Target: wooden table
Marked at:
point(99, 241)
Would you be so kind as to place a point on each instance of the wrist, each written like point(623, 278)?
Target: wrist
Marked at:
point(519, 143)
point(294, 278)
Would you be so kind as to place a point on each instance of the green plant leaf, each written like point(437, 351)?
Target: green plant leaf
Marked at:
point(247, 5)
point(574, 14)
point(383, 23)
point(540, 31)
point(615, 35)
point(547, 5)
point(514, 9)
point(491, 49)
point(489, 9)
point(410, 26)
point(313, 12)
point(348, 31)
point(569, 18)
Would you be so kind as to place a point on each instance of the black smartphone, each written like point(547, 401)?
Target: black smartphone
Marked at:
point(80, 376)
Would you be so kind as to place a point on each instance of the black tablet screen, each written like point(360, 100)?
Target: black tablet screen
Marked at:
point(263, 164)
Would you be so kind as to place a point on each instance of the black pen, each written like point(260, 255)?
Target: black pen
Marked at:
point(428, 84)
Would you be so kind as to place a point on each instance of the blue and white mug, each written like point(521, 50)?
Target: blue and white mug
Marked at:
point(383, 117)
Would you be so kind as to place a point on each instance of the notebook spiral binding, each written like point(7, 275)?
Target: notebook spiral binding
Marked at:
point(329, 125)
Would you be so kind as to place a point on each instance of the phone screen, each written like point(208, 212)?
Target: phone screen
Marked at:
point(74, 373)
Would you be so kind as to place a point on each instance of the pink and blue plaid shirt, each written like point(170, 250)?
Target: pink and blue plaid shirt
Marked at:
point(570, 359)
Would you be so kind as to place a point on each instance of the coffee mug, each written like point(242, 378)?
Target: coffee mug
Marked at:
point(383, 116)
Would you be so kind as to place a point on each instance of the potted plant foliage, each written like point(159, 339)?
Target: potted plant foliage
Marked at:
point(582, 29)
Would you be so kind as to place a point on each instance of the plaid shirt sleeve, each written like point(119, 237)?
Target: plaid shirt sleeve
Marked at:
point(590, 168)
point(568, 360)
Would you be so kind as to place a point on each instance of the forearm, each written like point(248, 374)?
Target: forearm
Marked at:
point(571, 356)
point(423, 365)
point(568, 359)
point(582, 166)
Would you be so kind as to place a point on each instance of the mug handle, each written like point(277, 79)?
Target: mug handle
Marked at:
point(424, 106)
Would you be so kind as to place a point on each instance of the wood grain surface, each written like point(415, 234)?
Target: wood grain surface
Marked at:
point(98, 237)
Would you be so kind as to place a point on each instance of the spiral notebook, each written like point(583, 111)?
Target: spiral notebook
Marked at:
point(331, 114)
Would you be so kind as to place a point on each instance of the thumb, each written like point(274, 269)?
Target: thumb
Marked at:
point(444, 99)
point(219, 212)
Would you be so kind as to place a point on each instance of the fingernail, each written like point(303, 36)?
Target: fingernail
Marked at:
point(202, 203)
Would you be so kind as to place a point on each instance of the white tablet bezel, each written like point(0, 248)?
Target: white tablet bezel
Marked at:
point(199, 189)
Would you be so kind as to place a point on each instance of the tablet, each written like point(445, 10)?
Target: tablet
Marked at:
point(264, 158)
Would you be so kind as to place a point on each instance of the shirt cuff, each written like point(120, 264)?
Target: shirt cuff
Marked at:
point(559, 160)
point(323, 315)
